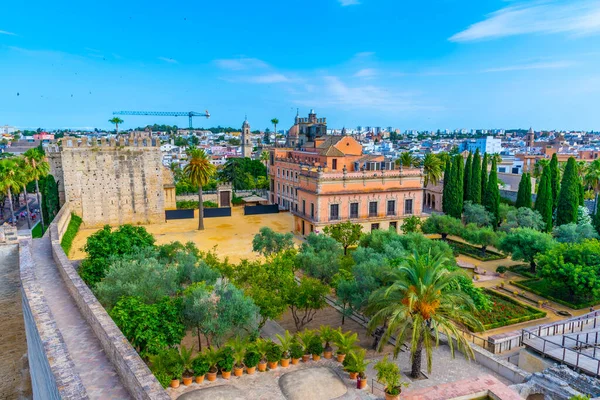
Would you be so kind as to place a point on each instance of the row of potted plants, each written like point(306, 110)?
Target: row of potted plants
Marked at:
point(238, 354)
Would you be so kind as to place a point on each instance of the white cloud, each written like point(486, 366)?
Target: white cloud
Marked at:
point(345, 3)
point(525, 67)
point(7, 33)
point(269, 78)
point(366, 73)
point(336, 93)
point(575, 17)
point(237, 64)
point(168, 60)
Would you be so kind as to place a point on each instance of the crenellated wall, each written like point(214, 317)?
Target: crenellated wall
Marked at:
point(111, 182)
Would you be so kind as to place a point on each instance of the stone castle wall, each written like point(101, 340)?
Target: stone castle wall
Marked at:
point(111, 182)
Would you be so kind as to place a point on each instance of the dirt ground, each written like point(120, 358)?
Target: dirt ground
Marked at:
point(232, 235)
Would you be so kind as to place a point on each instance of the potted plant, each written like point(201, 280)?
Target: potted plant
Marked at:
point(501, 270)
point(273, 355)
point(388, 374)
point(167, 367)
point(212, 358)
point(238, 345)
point(200, 367)
point(285, 343)
point(296, 352)
point(316, 348)
point(305, 338)
point(327, 334)
point(345, 343)
point(262, 346)
point(251, 359)
point(356, 365)
point(186, 362)
point(226, 361)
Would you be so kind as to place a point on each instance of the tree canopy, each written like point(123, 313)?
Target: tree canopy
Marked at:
point(525, 243)
point(346, 233)
point(568, 198)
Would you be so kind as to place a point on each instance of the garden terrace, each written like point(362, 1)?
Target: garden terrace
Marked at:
point(542, 287)
point(474, 252)
point(506, 311)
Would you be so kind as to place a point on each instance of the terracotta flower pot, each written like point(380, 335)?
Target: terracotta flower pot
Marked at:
point(353, 375)
point(262, 367)
point(200, 379)
point(362, 383)
point(250, 370)
point(341, 357)
point(187, 380)
point(327, 354)
point(316, 357)
point(305, 358)
point(174, 383)
point(238, 371)
point(295, 361)
point(285, 362)
point(226, 374)
point(273, 365)
point(392, 397)
point(211, 376)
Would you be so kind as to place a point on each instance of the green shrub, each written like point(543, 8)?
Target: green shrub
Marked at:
point(251, 358)
point(70, 233)
point(388, 374)
point(523, 270)
point(273, 352)
point(474, 252)
point(200, 365)
point(501, 269)
point(187, 204)
point(296, 350)
point(506, 311)
point(166, 365)
point(226, 359)
point(315, 347)
point(542, 288)
point(236, 201)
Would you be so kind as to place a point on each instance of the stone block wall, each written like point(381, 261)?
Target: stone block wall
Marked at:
point(112, 182)
point(133, 372)
point(51, 368)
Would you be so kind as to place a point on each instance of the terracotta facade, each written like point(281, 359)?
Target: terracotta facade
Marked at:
point(330, 180)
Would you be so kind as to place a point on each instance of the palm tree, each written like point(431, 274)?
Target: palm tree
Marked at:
point(539, 167)
point(199, 171)
point(423, 301)
point(8, 181)
point(432, 169)
point(39, 169)
point(23, 177)
point(275, 121)
point(407, 160)
point(116, 121)
point(592, 176)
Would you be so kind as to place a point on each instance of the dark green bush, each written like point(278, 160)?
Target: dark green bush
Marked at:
point(200, 366)
point(315, 346)
point(296, 350)
point(251, 358)
point(226, 360)
point(273, 352)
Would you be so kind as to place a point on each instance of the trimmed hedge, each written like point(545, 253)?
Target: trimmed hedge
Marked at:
point(532, 313)
point(187, 204)
point(523, 270)
point(474, 252)
point(576, 306)
point(71, 232)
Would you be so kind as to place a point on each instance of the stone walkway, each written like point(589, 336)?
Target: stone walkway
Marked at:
point(96, 371)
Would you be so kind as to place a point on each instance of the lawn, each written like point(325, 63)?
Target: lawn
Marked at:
point(71, 232)
point(506, 311)
point(37, 232)
point(474, 252)
point(543, 288)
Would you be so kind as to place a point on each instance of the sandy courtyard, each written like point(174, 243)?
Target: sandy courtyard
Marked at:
point(232, 235)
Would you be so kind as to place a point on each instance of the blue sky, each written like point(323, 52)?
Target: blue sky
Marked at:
point(409, 64)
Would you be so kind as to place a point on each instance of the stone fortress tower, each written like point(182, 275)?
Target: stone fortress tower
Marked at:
point(246, 139)
point(120, 181)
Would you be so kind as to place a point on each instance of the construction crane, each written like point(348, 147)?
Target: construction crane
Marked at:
point(189, 114)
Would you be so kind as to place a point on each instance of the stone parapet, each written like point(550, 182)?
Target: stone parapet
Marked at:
point(52, 370)
point(133, 372)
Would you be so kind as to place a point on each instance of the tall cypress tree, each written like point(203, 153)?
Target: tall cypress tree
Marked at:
point(459, 164)
point(455, 187)
point(492, 196)
point(568, 197)
point(475, 195)
point(467, 180)
point(554, 180)
point(445, 192)
point(484, 177)
point(543, 201)
point(524, 194)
